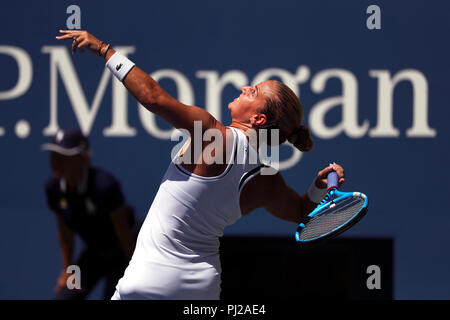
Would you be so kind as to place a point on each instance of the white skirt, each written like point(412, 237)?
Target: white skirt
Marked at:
point(156, 281)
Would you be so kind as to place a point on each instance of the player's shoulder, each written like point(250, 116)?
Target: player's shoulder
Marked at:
point(269, 179)
point(264, 184)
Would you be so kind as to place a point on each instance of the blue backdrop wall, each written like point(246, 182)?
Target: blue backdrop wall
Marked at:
point(376, 101)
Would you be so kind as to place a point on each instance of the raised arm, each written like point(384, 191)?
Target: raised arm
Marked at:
point(145, 89)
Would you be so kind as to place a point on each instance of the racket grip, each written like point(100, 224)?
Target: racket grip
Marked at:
point(332, 180)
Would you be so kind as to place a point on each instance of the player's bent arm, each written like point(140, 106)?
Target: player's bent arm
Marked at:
point(155, 99)
point(273, 194)
point(66, 241)
point(284, 202)
point(123, 231)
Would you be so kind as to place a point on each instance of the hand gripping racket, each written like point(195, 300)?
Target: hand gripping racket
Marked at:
point(337, 212)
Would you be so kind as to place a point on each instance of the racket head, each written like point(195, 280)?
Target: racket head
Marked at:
point(338, 212)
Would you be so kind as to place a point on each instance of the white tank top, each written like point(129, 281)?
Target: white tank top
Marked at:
point(182, 229)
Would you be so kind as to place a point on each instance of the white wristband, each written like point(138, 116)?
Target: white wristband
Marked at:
point(315, 194)
point(119, 65)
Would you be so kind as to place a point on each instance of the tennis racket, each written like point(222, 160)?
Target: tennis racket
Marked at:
point(337, 212)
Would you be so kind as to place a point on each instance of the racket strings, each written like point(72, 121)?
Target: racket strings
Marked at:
point(331, 219)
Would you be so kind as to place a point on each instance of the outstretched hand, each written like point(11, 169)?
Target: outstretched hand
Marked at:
point(321, 180)
point(81, 39)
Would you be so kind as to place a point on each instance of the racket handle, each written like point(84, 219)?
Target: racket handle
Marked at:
point(332, 180)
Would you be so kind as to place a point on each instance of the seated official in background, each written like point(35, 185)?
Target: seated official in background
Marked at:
point(89, 202)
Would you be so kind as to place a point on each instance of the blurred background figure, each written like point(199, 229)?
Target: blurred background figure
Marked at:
point(88, 202)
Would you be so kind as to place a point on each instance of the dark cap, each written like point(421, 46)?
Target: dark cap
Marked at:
point(68, 142)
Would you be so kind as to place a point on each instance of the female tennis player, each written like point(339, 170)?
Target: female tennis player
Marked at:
point(177, 251)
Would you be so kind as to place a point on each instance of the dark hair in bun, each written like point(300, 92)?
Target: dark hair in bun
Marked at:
point(301, 139)
point(284, 112)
